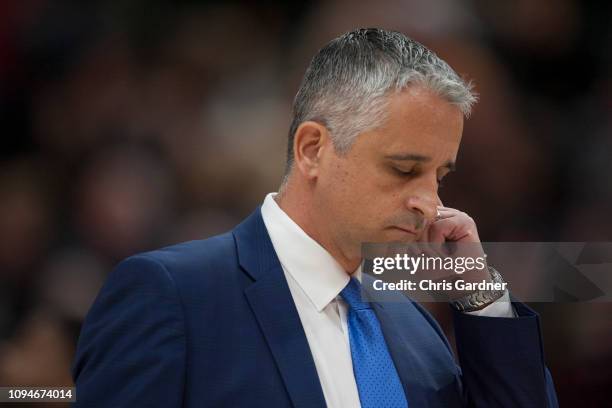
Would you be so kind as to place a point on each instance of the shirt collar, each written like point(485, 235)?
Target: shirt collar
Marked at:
point(317, 273)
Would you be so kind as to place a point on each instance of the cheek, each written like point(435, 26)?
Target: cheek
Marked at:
point(360, 200)
point(341, 188)
point(358, 195)
point(340, 193)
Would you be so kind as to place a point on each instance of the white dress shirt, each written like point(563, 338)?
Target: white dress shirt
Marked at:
point(315, 280)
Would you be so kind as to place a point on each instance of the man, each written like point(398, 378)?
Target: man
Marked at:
point(269, 313)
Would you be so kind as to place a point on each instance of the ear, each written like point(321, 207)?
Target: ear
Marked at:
point(309, 142)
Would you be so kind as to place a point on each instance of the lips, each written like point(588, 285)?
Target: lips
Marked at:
point(406, 229)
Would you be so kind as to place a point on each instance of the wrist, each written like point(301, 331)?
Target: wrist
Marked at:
point(482, 298)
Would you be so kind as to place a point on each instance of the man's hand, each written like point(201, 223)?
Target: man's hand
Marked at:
point(450, 225)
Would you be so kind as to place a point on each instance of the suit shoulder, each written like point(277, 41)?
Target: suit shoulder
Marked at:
point(217, 251)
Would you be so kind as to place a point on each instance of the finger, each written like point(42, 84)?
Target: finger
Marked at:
point(433, 249)
point(442, 230)
point(445, 213)
point(448, 209)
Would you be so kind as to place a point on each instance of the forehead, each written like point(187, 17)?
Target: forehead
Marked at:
point(418, 119)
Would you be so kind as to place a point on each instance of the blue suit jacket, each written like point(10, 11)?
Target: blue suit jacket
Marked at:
point(212, 324)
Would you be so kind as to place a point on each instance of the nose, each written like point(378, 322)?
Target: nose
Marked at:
point(425, 204)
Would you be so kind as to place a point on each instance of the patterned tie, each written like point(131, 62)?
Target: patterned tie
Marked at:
point(377, 380)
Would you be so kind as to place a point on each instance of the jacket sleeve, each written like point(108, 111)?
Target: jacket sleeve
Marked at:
point(131, 351)
point(502, 360)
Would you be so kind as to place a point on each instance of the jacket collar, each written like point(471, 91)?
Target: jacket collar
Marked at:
point(271, 301)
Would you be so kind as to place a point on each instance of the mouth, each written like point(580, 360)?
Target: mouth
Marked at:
point(405, 229)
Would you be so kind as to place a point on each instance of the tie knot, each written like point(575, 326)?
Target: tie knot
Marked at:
point(352, 295)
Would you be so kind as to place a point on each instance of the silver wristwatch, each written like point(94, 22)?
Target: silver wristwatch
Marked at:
point(481, 298)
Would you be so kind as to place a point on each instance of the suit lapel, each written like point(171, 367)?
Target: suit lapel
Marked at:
point(276, 314)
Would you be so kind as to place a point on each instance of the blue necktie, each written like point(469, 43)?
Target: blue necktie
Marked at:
point(377, 380)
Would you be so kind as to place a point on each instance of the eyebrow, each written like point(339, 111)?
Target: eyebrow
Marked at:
point(420, 158)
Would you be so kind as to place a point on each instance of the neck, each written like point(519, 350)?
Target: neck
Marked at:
point(297, 202)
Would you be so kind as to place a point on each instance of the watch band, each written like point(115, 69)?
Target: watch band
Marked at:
point(481, 298)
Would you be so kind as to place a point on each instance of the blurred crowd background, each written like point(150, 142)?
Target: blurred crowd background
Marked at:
point(130, 125)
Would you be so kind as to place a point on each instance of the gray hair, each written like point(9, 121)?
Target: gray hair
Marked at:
point(347, 84)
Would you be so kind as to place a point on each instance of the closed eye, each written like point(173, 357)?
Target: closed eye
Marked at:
point(403, 173)
point(416, 171)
